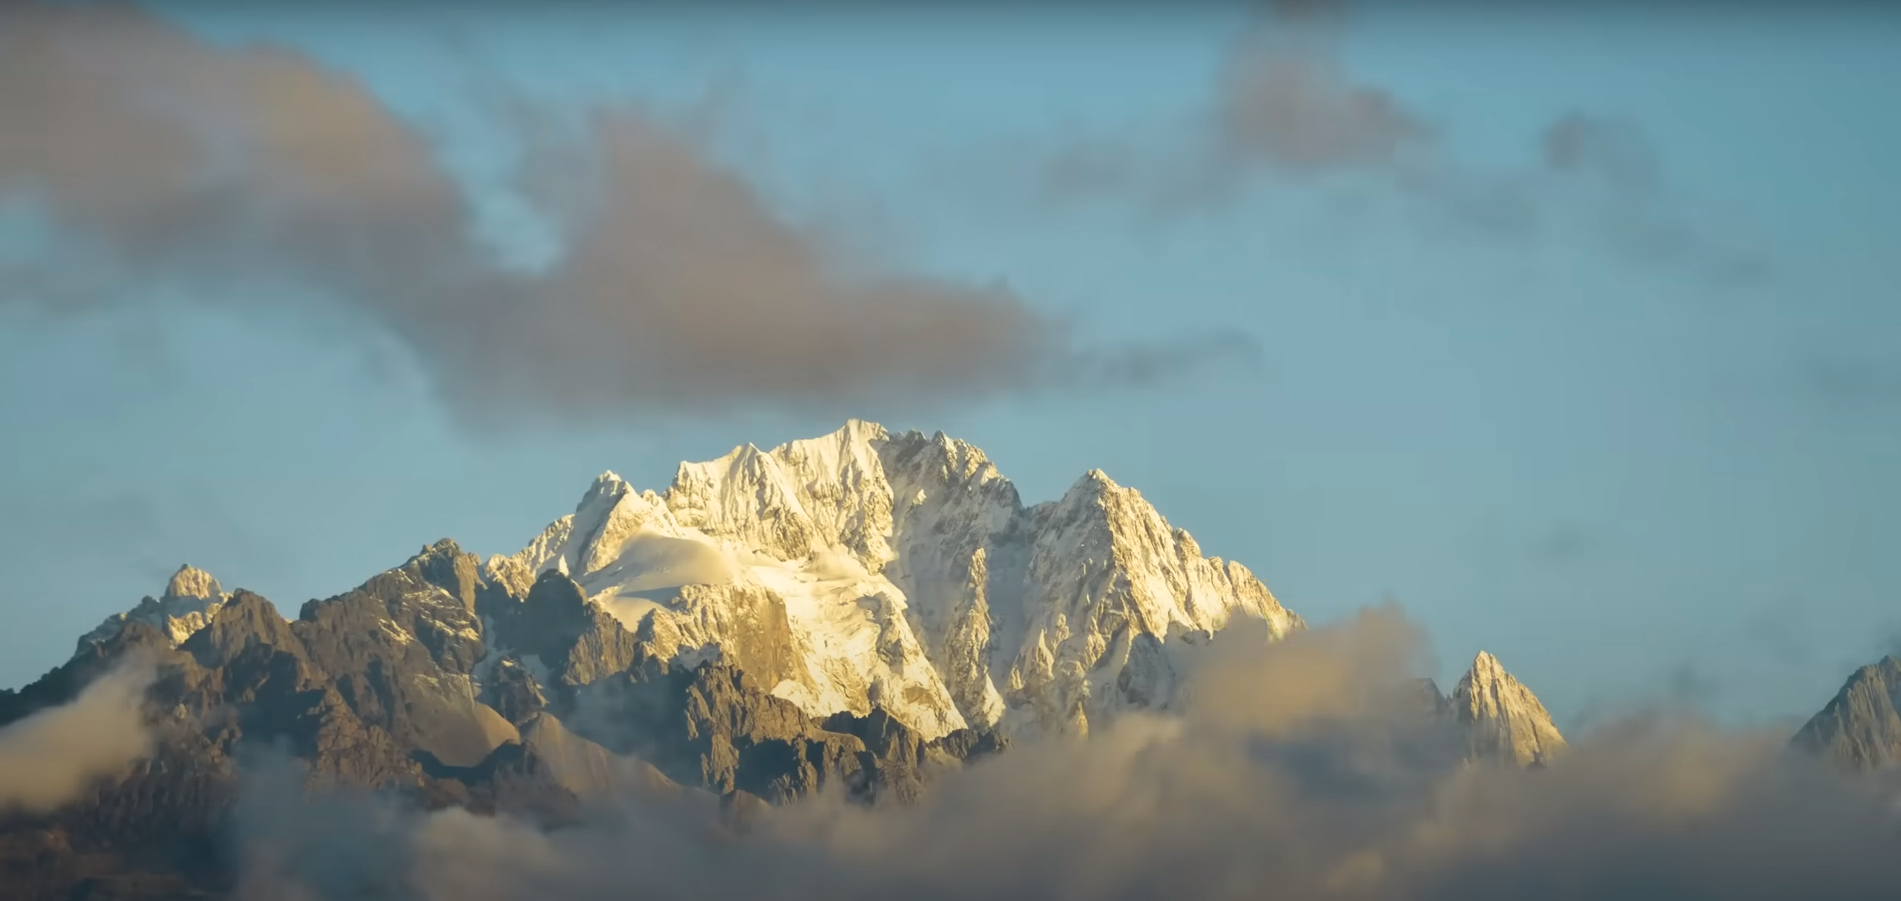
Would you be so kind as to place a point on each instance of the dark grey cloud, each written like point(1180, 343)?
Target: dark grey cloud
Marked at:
point(1611, 149)
point(1285, 98)
point(1782, 629)
point(1850, 381)
point(1283, 103)
point(1566, 544)
point(1286, 107)
point(254, 176)
point(1614, 159)
point(1296, 772)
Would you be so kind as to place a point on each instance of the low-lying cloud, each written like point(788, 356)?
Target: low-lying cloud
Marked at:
point(1298, 771)
point(254, 176)
point(55, 755)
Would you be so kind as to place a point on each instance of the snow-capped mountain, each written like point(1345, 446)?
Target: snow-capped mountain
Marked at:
point(852, 615)
point(189, 601)
point(863, 568)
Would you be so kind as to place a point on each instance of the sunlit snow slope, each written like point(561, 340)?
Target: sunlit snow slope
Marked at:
point(864, 567)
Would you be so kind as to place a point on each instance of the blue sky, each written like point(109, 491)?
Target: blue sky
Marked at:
point(1632, 473)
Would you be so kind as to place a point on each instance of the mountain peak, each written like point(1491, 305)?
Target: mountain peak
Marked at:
point(1486, 670)
point(866, 570)
point(190, 599)
point(1503, 719)
point(191, 582)
point(1861, 727)
point(1093, 490)
point(607, 485)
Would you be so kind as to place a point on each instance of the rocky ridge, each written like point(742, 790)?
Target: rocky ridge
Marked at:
point(850, 614)
point(187, 605)
point(1496, 716)
point(1860, 727)
point(863, 569)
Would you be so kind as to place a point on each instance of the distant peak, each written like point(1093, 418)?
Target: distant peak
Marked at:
point(192, 582)
point(1507, 719)
point(608, 486)
point(1487, 673)
point(855, 436)
point(862, 428)
point(1091, 488)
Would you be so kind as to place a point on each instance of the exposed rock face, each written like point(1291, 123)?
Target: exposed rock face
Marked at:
point(588, 770)
point(439, 681)
point(862, 569)
point(1860, 728)
point(1501, 719)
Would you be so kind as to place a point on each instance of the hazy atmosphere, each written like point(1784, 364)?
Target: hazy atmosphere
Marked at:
point(1565, 332)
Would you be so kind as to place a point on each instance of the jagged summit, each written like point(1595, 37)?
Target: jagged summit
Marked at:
point(907, 568)
point(1860, 727)
point(188, 602)
point(1502, 718)
point(191, 582)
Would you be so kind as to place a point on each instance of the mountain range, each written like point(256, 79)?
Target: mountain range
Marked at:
point(850, 614)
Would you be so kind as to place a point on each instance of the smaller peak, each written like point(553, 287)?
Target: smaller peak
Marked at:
point(440, 547)
point(1095, 488)
point(191, 582)
point(855, 437)
point(1095, 481)
point(862, 428)
point(606, 486)
point(1425, 694)
point(1486, 670)
point(740, 452)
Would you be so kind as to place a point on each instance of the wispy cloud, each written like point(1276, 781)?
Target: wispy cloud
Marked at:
point(1286, 107)
point(254, 176)
point(51, 757)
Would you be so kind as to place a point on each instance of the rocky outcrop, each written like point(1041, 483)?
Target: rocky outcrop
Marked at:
point(1501, 719)
point(1860, 728)
point(187, 604)
point(556, 628)
point(714, 726)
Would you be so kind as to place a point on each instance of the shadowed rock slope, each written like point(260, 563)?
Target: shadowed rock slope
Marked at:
point(430, 682)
